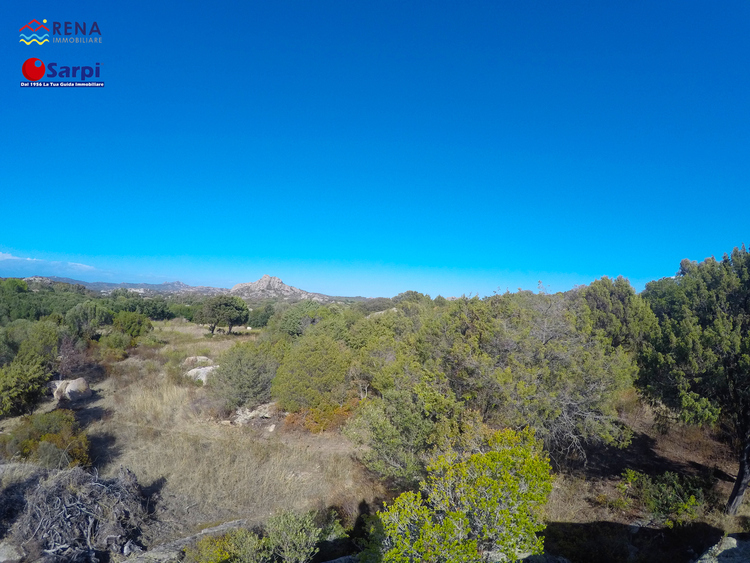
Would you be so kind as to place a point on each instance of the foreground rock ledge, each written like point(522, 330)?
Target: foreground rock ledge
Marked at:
point(734, 548)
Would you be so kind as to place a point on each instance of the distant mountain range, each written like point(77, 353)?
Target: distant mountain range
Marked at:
point(267, 287)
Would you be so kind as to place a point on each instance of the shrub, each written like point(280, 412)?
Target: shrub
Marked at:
point(22, 384)
point(290, 538)
point(132, 324)
point(313, 374)
point(50, 439)
point(472, 504)
point(210, 549)
point(293, 537)
point(244, 375)
point(113, 346)
point(669, 497)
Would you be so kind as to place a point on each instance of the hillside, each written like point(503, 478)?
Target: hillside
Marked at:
point(266, 288)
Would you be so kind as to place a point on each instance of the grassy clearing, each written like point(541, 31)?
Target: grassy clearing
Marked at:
point(160, 427)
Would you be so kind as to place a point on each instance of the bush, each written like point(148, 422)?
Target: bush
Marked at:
point(293, 537)
point(132, 324)
point(290, 538)
point(22, 384)
point(313, 374)
point(324, 418)
point(113, 346)
point(669, 497)
point(472, 504)
point(244, 375)
point(50, 439)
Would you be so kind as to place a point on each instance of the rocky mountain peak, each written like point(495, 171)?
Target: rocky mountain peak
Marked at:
point(271, 287)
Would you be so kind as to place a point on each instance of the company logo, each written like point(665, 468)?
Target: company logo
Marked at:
point(33, 70)
point(32, 37)
point(70, 32)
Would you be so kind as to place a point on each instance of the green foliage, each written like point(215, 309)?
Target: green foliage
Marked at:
point(530, 359)
point(19, 300)
point(22, 384)
point(86, 318)
point(469, 505)
point(375, 305)
point(13, 285)
point(244, 375)
point(617, 312)
point(399, 429)
point(42, 341)
point(209, 549)
point(249, 547)
point(183, 310)
point(295, 320)
point(131, 323)
point(697, 360)
point(669, 497)
point(259, 316)
point(50, 439)
point(222, 310)
point(409, 530)
point(313, 374)
point(114, 346)
point(293, 537)
point(289, 538)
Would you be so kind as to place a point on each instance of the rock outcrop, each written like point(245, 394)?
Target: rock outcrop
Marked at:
point(246, 416)
point(200, 373)
point(728, 550)
point(270, 287)
point(71, 390)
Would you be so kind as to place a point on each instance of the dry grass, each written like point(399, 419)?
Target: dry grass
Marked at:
point(206, 471)
point(569, 500)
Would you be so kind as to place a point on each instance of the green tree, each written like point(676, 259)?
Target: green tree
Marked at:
point(22, 384)
point(244, 375)
point(87, 317)
point(260, 315)
point(470, 505)
point(618, 312)
point(313, 374)
point(697, 360)
point(295, 320)
point(223, 310)
point(131, 323)
point(528, 359)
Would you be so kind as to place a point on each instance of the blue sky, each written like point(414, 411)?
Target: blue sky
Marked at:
point(367, 148)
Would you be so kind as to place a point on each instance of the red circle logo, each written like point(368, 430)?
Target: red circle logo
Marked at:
point(33, 69)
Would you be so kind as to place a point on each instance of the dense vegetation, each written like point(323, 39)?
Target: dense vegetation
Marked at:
point(461, 405)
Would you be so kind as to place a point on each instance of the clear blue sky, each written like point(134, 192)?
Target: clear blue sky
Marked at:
point(367, 148)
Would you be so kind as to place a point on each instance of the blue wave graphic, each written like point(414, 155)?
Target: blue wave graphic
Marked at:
point(28, 37)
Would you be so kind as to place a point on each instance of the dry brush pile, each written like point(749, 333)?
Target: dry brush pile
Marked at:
point(73, 514)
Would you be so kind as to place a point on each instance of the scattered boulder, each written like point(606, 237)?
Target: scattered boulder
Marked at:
point(200, 373)
point(71, 390)
point(10, 553)
point(193, 361)
point(246, 416)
